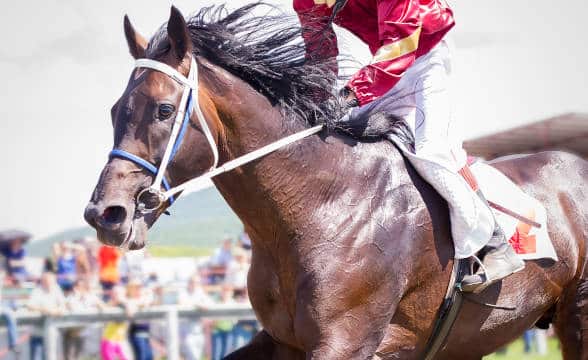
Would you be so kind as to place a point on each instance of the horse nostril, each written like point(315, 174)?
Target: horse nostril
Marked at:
point(114, 215)
point(90, 214)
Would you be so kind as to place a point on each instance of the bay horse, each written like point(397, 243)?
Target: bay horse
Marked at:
point(352, 251)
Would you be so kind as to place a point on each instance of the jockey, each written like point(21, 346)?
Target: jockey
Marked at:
point(408, 77)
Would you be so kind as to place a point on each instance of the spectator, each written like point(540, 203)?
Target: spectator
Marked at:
point(528, 340)
point(137, 299)
point(66, 268)
point(14, 254)
point(112, 345)
point(83, 266)
point(91, 247)
point(7, 313)
point(50, 264)
point(244, 330)
point(152, 279)
point(131, 264)
point(81, 299)
point(222, 331)
point(123, 269)
point(541, 341)
point(237, 271)
point(219, 261)
point(108, 259)
point(223, 255)
point(244, 240)
point(192, 332)
point(47, 299)
point(159, 295)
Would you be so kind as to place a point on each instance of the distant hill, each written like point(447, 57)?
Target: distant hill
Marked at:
point(201, 220)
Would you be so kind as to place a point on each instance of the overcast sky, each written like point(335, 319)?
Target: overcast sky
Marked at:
point(64, 63)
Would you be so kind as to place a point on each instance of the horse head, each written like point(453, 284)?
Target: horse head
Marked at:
point(243, 81)
point(143, 119)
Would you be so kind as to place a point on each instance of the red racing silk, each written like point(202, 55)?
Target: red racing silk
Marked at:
point(396, 31)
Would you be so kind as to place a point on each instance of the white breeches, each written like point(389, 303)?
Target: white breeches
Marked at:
point(422, 99)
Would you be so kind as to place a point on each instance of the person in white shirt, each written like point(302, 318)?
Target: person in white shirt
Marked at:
point(191, 331)
point(48, 300)
point(81, 299)
point(237, 270)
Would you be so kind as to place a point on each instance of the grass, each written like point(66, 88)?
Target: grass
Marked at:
point(515, 352)
point(179, 251)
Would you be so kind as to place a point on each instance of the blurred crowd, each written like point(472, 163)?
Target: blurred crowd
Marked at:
point(85, 276)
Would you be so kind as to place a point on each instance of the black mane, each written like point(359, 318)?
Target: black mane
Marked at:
point(268, 52)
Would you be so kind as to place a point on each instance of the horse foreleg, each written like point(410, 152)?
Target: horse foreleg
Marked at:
point(264, 347)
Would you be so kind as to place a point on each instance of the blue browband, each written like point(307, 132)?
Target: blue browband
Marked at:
point(118, 153)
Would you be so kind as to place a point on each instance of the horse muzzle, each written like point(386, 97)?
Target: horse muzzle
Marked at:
point(114, 223)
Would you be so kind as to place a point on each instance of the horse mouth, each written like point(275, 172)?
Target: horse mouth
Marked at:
point(127, 240)
point(131, 241)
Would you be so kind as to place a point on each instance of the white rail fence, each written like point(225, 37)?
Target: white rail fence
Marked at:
point(171, 314)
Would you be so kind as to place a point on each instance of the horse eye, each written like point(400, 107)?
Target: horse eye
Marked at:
point(165, 111)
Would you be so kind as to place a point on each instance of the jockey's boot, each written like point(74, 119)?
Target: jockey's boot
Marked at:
point(500, 261)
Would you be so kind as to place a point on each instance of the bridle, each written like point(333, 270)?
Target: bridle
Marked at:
point(188, 103)
point(152, 198)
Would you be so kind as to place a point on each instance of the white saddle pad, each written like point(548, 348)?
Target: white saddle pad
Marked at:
point(528, 241)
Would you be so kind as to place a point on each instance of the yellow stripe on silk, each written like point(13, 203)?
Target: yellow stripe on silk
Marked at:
point(398, 48)
point(329, 3)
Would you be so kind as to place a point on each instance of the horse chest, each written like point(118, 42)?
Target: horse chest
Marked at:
point(273, 299)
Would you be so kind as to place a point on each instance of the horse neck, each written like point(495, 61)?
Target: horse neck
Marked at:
point(273, 192)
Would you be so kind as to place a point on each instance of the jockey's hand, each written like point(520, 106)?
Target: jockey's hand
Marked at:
point(348, 98)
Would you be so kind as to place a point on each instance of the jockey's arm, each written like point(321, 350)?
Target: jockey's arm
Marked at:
point(399, 29)
point(319, 36)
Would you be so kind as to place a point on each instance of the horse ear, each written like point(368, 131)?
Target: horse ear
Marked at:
point(178, 33)
point(137, 43)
